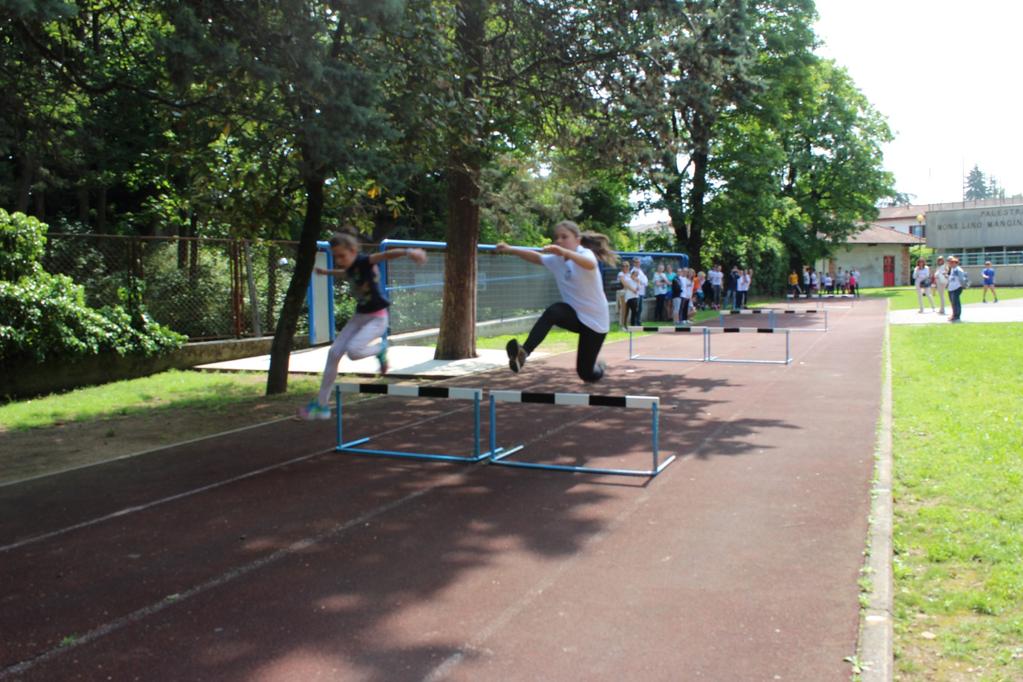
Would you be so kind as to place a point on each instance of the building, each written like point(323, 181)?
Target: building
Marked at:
point(881, 254)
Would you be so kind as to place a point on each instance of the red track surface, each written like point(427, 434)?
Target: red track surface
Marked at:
point(739, 562)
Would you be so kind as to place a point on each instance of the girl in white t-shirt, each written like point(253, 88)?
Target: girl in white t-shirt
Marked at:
point(627, 296)
point(573, 260)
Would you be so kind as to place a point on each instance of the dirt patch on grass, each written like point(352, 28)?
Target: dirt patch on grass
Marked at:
point(36, 452)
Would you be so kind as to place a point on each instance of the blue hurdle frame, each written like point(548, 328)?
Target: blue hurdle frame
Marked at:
point(708, 355)
point(577, 399)
point(411, 391)
point(668, 330)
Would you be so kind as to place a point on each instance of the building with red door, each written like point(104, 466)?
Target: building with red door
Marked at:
point(884, 256)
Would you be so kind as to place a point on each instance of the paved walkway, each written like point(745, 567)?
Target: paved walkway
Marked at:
point(1009, 310)
point(405, 361)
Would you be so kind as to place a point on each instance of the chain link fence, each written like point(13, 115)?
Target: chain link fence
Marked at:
point(203, 288)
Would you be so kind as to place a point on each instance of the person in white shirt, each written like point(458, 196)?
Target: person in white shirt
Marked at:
point(940, 282)
point(573, 260)
point(922, 279)
point(641, 279)
point(660, 292)
point(627, 296)
point(742, 288)
point(687, 295)
point(716, 278)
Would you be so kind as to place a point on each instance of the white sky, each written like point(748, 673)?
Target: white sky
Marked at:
point(949, 77)
point(947, 74)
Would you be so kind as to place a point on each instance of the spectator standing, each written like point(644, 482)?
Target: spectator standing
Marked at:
point(730, 282)
point(627, 308)
point(661, 291)
point(793, 285)
point(716, 277)
point(957, 281)
point(742, 288)
point(641, 281)
point(940, 278)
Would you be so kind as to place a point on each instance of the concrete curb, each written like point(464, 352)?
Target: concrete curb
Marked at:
point(876, 646)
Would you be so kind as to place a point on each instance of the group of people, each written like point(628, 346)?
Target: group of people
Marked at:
point(821, 283)
point(678, 292)
point(948, 276)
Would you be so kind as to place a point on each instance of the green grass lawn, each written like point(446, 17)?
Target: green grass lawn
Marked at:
point(958, 463)
point(167, 390)
point(904, 298)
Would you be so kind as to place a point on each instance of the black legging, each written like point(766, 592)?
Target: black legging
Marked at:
point(564, 316)
point(632, 305)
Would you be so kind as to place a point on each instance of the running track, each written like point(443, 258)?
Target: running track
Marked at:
point(264, 555)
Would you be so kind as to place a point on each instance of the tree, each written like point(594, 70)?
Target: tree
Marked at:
point(308, 74)
point(975, 185)
point(507, 75)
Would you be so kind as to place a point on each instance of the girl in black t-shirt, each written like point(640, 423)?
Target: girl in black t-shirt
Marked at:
point(370, 319)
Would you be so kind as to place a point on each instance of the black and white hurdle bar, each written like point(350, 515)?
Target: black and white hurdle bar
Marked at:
point(578, 399)
point(820, 300)
point(772, 319)
point(707, 332)
point(412, 391)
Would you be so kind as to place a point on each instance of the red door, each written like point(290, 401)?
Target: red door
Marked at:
point(889, 271)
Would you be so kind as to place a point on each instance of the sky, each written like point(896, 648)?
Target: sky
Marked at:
point(948, 76)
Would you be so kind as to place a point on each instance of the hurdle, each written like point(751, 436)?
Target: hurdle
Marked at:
point(576, 399)
point(707, 332)
point(669, 330)
point(772, 319)
point(411, 391)
point(819, 300)
point(749, 330)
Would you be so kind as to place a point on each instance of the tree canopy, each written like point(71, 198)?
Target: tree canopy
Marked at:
point(458, 120)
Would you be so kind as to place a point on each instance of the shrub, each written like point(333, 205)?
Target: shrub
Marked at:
point(44, 316)
point(22, 239)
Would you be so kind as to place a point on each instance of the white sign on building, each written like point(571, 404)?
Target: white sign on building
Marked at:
point(971, 228)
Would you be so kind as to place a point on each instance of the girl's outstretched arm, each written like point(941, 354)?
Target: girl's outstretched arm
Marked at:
point(525, 254)
point(417, 256)
point(579, 259)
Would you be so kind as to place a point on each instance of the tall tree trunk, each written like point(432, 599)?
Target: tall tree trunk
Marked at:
point(457, 337)
point(101, 211)
point(280, 350)
point(83, 204)
point(26, 173)
point(697, 197)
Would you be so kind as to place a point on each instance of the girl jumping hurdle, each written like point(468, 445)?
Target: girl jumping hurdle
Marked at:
point(573, 259)
point(370, 319)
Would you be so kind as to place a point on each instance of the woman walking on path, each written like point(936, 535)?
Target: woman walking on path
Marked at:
point(573, 260)
point(988, 280)
point(370, 319)
point(940, 282)
point(922, 278)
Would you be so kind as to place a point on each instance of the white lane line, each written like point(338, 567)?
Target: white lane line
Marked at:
point(201, 489)
point(143, 452)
